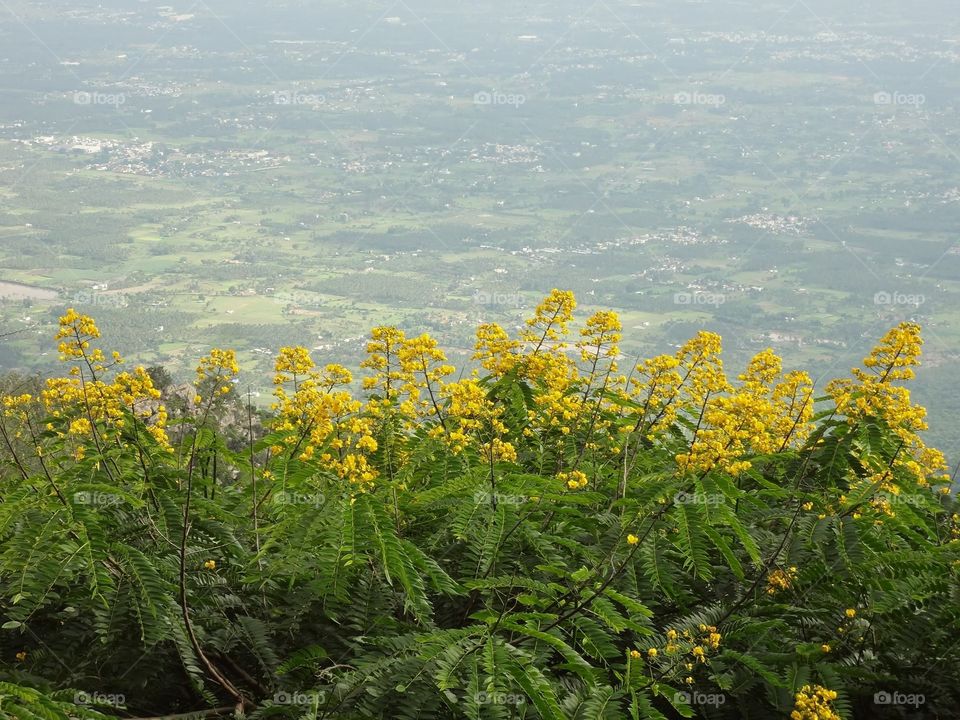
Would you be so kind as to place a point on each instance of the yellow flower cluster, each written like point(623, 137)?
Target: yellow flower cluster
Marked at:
point(703, 369)
point(320, 416)
point(91, 406)
point(697, 646)
point(779, 580)
point(763, 415)
point(497, 353)
point(713, 637)
point(814, 702)
point(17, 407)
point(849, 624)
point(217, 372)
point(655, 388)
point(895, 357)
point(75, 333)
point(475, 421)
point(768, 412)
point(578, 396)
point(292, 362)
point(424, 367)
point(790, 419)
point(878, 482)
point(599, 347)
point(409, 374)
point(558, 406)
point(574, 480)
point(383, 357)
point(546, 364)
point(540, 357)
point(220, 364)
point(875, 396)
point(550, 319)
point(600, 337)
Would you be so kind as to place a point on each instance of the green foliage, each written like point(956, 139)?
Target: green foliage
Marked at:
point(216, 575)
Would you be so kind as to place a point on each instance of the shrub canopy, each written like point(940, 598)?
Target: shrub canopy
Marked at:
point(550, 536)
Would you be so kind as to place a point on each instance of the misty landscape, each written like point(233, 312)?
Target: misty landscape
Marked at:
point(427, 359)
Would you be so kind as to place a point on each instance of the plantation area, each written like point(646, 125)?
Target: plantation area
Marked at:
point(562, 534)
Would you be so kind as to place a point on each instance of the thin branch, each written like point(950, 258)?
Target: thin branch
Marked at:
point(191, 715)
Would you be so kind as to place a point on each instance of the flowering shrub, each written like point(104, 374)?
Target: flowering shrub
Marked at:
point(550, 536)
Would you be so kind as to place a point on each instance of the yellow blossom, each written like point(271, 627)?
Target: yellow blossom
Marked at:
point(814, 703)
point(219, 364)
point(383, 357)
point(574, 479)
point(779, 580)
point(88, 401)
point(497, 353)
